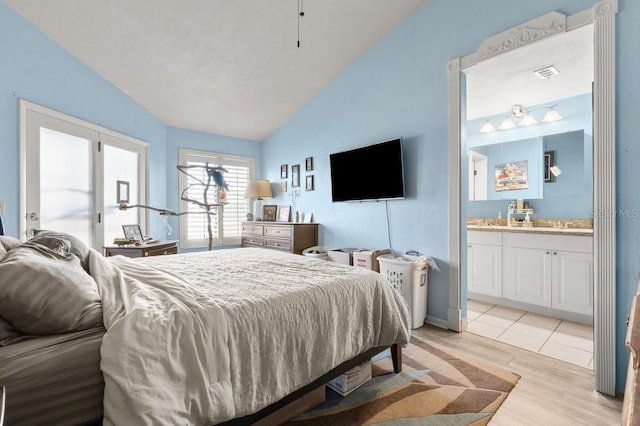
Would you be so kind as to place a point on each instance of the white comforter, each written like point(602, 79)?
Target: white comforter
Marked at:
point(201, 338)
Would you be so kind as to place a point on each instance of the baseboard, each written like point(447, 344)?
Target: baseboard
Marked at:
point(438, 322)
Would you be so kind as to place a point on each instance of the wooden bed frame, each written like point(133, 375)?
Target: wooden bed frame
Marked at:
point(396, 356)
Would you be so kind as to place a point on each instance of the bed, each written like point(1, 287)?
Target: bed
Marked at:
point(225, 336)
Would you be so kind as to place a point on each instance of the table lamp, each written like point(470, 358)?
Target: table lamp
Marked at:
point(258, 189)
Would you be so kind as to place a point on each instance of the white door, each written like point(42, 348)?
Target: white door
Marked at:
point(69, 176)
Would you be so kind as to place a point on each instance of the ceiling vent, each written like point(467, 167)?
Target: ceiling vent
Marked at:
point(546, 72)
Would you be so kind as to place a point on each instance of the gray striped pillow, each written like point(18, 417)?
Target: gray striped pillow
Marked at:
point(45, 291)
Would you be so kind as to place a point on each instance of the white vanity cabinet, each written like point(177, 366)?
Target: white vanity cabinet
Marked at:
point(484, 263)
point(553, 271)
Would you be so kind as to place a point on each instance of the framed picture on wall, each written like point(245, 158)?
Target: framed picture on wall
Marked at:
point(122, 192)
point(548, 163)
point(284, 171)
point(309, 183)
point(308, 164)
point(295, 176)
point(283, 186)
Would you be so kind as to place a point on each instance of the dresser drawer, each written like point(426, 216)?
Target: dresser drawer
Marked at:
point(251, 229)
point(277, 231)
point(161, 251)
point(277, 244)
point(252, 241)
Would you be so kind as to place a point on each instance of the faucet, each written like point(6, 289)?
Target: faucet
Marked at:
point(557, 224)
point(566, 225)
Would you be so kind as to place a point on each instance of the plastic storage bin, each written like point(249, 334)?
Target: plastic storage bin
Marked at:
point(316, 252)
point(408, 275)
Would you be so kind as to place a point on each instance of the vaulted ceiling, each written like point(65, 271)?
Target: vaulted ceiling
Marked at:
point(231, 67)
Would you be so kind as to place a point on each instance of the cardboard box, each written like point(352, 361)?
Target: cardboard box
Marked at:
point(368, 258)
point(342, 255)
point(352, 379)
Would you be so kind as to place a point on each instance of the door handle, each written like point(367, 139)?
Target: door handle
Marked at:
point(33, 216)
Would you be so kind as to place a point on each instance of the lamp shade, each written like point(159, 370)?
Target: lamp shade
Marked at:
point(258, 188)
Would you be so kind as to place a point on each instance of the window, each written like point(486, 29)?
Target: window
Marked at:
point(226, 221)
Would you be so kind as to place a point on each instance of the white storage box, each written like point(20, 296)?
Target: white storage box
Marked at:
point(316, 252)
point(408, 275)
point(368, 258)
point(352, 379)
point(343, 255)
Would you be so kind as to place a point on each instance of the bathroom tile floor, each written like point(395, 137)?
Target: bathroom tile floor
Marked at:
point(556, 338)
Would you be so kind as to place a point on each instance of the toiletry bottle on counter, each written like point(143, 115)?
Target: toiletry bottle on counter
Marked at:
point(499, 215)
point(519, 204)
point(527, 218)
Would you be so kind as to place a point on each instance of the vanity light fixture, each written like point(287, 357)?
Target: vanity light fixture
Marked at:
point(527, 120)
point(555, 170)
point(551, 115)
point(487, 127)
point(506, 124)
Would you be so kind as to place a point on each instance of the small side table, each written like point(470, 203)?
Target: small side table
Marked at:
point(158, 248)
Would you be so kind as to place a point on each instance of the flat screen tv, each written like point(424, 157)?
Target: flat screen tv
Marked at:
point(372, 172)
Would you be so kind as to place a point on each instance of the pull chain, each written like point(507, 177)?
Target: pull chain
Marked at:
point(300, 15)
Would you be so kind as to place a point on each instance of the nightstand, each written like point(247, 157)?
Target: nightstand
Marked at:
point(158, 248)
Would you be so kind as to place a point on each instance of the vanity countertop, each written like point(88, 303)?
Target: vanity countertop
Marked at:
point(532, 230)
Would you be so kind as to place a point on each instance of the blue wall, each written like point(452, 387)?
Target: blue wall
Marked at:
point(399, 88)
point(37, 69)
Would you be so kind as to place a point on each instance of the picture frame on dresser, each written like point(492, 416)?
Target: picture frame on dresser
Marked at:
point(284, 213)
point(132, 232)
point(269, 212)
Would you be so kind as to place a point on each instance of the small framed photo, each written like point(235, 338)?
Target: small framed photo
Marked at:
point(309, 183)
point(308, 218)
point(283, 186)
point(295, 176)
point(308, 163)
point(284, 212)
point(122, 192)
point(284, 171)
point(132, 232)
point(269, 212)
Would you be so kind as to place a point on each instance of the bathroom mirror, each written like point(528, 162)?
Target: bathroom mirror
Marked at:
point(509, 44)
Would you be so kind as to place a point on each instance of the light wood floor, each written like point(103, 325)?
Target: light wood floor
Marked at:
point(550, 392)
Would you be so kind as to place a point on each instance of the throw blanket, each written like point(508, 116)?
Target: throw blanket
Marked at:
point(204, 337)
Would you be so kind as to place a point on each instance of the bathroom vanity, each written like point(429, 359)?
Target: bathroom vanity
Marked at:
point(543, 270)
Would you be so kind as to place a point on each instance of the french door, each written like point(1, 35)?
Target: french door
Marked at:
point(75, 174)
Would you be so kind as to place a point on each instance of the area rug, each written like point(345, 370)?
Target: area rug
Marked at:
point(436, 387)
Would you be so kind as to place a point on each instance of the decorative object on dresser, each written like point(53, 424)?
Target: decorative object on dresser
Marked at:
point(290, 237)
point(258, 189)
point(269, 212)
point(284, 213)
point(158, 248)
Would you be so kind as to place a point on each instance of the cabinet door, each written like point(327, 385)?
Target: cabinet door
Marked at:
point(528, 275)
point(485, 269)
point(572, 282)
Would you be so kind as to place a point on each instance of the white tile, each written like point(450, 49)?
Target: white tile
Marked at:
point(521, 340)
point(567, 354)
point(485, 330)
point(507, 313)
point(575, 329)
point(578, 342)
point(478, 306)
point(540, 321)
point(531, 330)
point(500, 316)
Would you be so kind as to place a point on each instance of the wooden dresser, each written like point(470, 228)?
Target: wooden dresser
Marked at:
point(158, 248)
point(285, 236)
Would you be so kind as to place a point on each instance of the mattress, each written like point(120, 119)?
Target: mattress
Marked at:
point(53, 379)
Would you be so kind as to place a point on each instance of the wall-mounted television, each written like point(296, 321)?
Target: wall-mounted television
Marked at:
point(372, 172)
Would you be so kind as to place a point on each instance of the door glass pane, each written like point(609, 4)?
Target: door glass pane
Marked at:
point(66, 195)
point(120, 171)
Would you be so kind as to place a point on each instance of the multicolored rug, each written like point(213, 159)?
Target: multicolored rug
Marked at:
point(436, 387)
